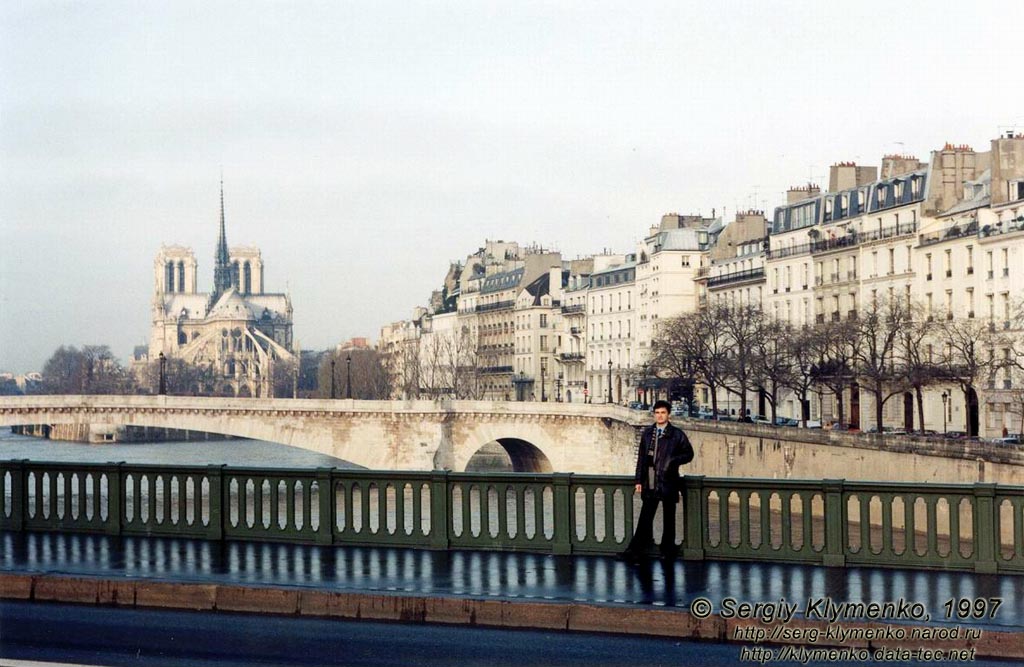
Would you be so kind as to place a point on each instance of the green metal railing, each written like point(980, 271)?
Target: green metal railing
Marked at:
point(977, 527)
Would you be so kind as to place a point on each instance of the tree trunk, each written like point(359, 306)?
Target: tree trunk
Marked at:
point(877, 391)
point(920, 407)
point(841, 409)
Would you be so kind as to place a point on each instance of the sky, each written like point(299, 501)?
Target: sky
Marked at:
point(365, 145)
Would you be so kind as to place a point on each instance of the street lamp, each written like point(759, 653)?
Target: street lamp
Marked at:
point(945, 400)
point(163, 375)
point(558, 387)
point(348, 376)
point(333, 393)
point(543, 370)
point(643, 384)
point(609, 380)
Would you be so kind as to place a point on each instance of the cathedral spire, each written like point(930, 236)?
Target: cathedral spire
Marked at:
point(223, 277)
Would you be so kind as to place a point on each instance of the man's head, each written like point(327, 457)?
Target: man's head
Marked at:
point(661, 411)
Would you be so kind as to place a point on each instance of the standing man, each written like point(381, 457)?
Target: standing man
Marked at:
point(663, 448)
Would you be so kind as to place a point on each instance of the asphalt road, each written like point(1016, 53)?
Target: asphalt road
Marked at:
point(89, 635)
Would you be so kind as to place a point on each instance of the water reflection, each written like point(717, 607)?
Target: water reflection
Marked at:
point(483, 574)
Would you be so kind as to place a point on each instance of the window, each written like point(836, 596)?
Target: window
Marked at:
point(1006, 261)
point(892, 261)
point(543, 343)
point(970, 260)
point(686, 260)
point(928, 266)
point(543, 321)
point(949, 263)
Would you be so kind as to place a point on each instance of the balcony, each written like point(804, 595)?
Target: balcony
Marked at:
point(736, 277)
point(819, 281)
point(949, 273)
point(703, 272)
point(970, 270)
point(793, 251)
point(954, 232)
point(573, 309)
point(851, 275)
point(489, 307)
point(835, 316)
point(834, 277)
point(576, 331)
point(820, 318)
point(851, 314)
point(569, 357)
point(493, 370)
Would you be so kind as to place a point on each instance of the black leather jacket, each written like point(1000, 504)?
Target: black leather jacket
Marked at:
point(674, 450)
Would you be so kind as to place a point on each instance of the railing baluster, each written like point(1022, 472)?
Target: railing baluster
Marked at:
point(953, 502)
point(887, 501)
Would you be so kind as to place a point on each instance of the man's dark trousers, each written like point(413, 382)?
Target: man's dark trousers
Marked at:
point(644, 535)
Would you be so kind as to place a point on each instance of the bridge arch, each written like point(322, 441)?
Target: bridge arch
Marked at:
point(509, 455)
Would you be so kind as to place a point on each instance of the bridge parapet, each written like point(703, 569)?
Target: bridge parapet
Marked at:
point(829, 522)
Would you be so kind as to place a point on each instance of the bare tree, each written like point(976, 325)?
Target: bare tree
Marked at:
point(968, 358)
point(773, 362)
point(804, 349)
point(370, 379)
point(91, 370)
point(834, 367)
point(693, 345)
point(915, 355)
point(180, 378)
point(874, 355)
point(743, 326)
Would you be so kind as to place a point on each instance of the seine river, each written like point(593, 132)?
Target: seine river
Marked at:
point(217, 452)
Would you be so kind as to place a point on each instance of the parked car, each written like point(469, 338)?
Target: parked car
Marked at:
point(636, 405)
point(812, 424)
point(1017, 439)
point(786, 421)
point(761, 419)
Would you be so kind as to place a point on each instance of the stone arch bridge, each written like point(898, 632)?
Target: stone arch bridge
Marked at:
point(383, 435)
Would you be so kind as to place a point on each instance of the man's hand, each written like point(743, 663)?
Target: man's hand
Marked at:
point(639, 488)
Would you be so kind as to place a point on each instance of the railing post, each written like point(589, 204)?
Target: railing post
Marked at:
point(986, 535)
point(115, 499)
point(563, 509)
point(835, 524)
point(693, 517)
point(218, 502)
point(325, 532)
point(440, 510)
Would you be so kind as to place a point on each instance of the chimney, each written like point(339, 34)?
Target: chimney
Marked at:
point(897, 165)
point(847, 175)
point(801, 192)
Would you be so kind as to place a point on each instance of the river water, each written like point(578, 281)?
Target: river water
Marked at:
point(204, 452)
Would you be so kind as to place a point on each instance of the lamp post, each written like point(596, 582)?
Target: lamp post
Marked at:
point(333, 393)
point(348, 376)
point(543, 371)
point(609, 381)
point(163, 375)
point(643, 384)
point(945, 400)
point(558, 387)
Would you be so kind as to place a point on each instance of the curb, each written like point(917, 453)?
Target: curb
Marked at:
point(569, 616)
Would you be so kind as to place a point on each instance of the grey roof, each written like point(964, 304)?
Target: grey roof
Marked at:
point(502, 281)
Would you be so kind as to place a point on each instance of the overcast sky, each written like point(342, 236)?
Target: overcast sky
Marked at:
point(365, 145)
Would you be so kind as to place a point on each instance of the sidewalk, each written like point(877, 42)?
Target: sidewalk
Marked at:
point(423, 578)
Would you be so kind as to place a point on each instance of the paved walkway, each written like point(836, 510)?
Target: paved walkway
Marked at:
point(507, 576)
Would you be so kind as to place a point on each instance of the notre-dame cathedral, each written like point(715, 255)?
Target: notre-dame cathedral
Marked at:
point(238, 332)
